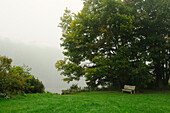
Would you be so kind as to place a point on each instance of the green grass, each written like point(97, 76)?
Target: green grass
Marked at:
point(89, 102)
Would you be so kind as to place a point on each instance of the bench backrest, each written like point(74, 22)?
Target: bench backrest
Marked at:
point(129, 87)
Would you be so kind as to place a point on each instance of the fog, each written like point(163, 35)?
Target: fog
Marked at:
point(29, 35)
point(41, 58)
point(34, 20)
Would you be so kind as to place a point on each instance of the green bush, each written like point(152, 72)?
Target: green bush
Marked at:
point(17, 79)
point(34, 85)
point(74, 86)
point(74, 89)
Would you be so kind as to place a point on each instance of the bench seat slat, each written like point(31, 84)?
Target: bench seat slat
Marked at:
point(126, 89)
point(129, 88)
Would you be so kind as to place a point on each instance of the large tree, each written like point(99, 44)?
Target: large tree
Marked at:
point(107, 42)
point(152, 21)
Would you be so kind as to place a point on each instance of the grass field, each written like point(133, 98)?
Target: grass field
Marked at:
point(89, 102)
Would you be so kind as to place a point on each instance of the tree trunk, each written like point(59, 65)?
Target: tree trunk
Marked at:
point(159, 76)
point(166, 74)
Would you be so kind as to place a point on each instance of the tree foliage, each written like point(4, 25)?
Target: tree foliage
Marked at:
point(152, 32)
point(110, 42)
point(17, 79)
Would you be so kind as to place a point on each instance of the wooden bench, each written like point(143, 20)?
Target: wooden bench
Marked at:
point(129, 88)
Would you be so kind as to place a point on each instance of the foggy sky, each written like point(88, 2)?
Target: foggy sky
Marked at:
point(34, 21)
point(29, 35)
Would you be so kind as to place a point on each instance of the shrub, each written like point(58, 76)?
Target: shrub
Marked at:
point(34, 85)
point(24, 81)
point(17, 79)
point(74, 89)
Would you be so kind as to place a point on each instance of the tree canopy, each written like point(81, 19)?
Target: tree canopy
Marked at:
point(114, 42)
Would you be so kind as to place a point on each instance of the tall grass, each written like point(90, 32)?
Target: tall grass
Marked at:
point(89, 102)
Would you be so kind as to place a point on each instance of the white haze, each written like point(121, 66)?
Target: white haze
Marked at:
point(29, 35)
point(34, 21)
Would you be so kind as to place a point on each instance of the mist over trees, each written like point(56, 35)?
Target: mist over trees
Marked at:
point(112, 43)
point(41, 58)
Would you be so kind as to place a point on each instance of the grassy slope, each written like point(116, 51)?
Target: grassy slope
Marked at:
point(94, 102)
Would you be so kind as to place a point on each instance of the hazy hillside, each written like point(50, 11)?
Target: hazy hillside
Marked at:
point(41, 58)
